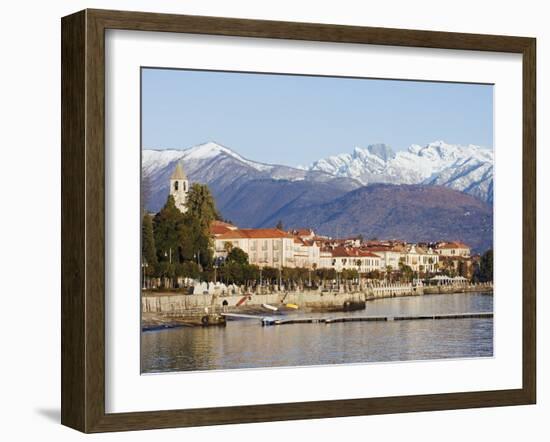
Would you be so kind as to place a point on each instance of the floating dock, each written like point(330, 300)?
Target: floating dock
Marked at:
point(268, 320)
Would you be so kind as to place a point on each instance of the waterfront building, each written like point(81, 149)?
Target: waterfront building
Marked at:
point(179, 188)
point(219, 227)
point(306, 253)
point(390, 256)
point(453, 248)
point(307, 234)
point(421, 259)
point(325, 258)
point(264, 247)
point(354, 259)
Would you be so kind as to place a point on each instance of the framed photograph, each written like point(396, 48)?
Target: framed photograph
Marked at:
point(267, 221)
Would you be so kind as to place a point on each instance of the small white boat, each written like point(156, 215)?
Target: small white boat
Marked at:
point(270, 307)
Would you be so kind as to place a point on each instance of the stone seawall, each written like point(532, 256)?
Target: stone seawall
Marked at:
point(175, 304)
point(445, 289)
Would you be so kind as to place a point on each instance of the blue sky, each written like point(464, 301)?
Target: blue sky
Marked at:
point(293, 120)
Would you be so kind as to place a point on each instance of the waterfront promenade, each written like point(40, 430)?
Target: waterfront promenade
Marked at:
point(157, 305)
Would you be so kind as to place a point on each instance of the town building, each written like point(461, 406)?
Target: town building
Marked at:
point(390, 257)
point(303, 233)
point(306, 253)
point(219, 227)
point(348, 258)
point(264, 247)
point(179, 188)
point(453, 248)
point(421, 259)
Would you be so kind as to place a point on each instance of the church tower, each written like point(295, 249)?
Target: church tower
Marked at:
point(179, 188)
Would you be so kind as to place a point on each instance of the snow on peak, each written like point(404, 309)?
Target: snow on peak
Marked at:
point(417, 164)
point(468, 168)
point(157, 159)
point(204, 151)
point(212, 149)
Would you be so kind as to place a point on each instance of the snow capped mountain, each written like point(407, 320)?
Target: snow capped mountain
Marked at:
point(465, 168)
point(154, 160)
point(223, 169)
point(339, 193)
point(468, 169)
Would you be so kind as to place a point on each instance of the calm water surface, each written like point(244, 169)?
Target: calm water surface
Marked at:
point(246, 344)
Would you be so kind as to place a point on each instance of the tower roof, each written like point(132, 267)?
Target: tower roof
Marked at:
point(178, 173)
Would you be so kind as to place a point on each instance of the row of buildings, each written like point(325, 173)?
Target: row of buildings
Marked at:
point(303, 248)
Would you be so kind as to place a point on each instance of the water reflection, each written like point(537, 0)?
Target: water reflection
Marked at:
point(246, 344)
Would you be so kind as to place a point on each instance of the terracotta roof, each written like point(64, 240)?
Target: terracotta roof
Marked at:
point(219, 230)
point(221, 223)
point(254, 233)
point(178, 173)
point(220, 227)
point(452, 245)
point(369, 254)
point(379, 249)
point(343, 252)
point(231, 234)
point(302, 232)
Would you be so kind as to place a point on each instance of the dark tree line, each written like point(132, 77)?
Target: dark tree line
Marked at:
point(176, 244)
point(484, 271)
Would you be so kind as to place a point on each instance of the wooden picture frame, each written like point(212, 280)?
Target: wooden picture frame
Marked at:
point(83, 220)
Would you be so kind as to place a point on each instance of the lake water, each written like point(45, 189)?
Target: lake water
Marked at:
point(246, 344)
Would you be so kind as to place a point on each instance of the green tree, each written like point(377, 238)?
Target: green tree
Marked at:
point(145, 193)
point(148, 249)
point(167, 226)
point(251, 273)
point(374, 274)
point(280, 225)
point(406, 271)
point(350, 274)
point(270, 274)
point(201, 211)
point(190, 269)
point(201, 205)
point(232, 272)
point(237, 255)
point(486, 266)
point(462, 269)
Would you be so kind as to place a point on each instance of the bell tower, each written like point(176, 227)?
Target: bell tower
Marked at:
point(179, 188)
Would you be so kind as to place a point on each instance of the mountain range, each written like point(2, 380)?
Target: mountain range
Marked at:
point(438, 191)
point(468, 169)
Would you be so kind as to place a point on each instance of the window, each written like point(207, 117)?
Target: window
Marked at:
point(176, 185)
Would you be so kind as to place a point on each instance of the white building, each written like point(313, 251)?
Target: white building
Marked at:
point(354, 259)
point(389, 257)
point(306, 253)
point(179, 188)
point(453, 248)
point(420, 259)
point(264, 247)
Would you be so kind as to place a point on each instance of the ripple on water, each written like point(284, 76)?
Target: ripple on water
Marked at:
point(246, 344)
